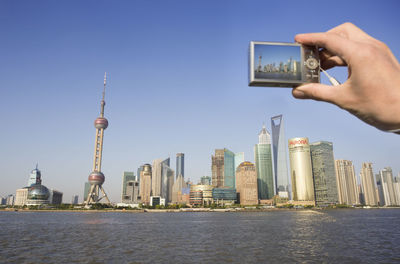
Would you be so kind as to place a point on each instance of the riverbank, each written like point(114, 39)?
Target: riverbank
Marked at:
point(183, 210)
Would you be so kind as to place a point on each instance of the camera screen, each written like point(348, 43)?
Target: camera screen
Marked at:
point(277, 62)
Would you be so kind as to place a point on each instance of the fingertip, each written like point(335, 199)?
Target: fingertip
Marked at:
point(299, 94)
point(299, 37)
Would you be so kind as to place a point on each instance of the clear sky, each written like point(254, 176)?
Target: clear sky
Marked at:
point(177, 83)
point(275, 54)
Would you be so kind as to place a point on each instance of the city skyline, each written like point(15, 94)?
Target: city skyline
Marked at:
point(53, 65)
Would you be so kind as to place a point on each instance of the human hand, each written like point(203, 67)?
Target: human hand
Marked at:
point(372, 90)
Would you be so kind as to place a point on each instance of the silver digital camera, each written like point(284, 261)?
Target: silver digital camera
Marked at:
point(279, 64)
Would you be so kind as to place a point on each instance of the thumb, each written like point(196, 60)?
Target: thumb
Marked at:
point(317, 91)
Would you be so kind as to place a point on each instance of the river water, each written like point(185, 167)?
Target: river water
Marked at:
point(303, 236)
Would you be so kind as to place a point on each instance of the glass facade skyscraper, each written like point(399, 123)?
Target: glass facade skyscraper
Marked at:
point(35, 177)
point(127, 176)
point(263, 160)
point(323, 168)
point(223, 168)
point(229, 169)
point(239, 158)
point(281, 178)
point(180, 164)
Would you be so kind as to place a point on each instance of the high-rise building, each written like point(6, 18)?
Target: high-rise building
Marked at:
point(170, 183)
point(323, 169)
point(21, 196)
point(75, 199)
point(162, 179)
point(301, 169)
point(346, 182)
point(131, 192)
point(86, 190)
point(177, 187)
point(139, 170)
point(223, 168)
point(205, 180)
point(35, 177)
point(387, 194)
point(145, 184)
point(368, 184)
point(379, 186)
point(217, 168)
point(281, 179)
point(239, 158)
point(10, 199)
point(126, 177)
point(180, 164)
point(96, 178)
point(246, 183)
point(156, 177)
point(396, 187)
point(263, 160)
point(55, 197)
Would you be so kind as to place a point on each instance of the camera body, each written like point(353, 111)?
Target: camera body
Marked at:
point(280, 64)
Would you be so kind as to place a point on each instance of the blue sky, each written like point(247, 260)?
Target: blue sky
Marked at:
point(177, 83)
point(275, 54)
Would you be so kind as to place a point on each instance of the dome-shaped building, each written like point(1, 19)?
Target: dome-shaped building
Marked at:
point(37, 195)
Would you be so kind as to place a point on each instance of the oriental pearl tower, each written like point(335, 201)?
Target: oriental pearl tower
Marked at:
point(96, 178)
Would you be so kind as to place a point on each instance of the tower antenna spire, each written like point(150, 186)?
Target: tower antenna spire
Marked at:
point(103, 103)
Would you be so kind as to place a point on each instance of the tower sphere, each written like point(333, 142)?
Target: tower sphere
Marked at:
point(101, 122)
point(96, 177)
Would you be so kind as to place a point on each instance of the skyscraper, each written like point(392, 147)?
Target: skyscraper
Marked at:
point(368, 184)
point(145, 184)
point(126, 176)
point(139, 170)
point(387, 187)
point(180, 164)
point(246, 183)
point(161, 179)
point(156, 177)
point(281, 179)
point(35, 177)
point(74, 199)
point(239, 158)
point(223, 168)
point(96, 178)
point(177, 187)
point(170, 179)
point(323, 168)
point(86, 191)
point(301, 169)
point(263, 160)
point(396, 185)
point(346, 182)
point(131, 190)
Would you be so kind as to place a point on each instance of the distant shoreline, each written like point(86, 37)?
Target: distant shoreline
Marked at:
point(188, 210)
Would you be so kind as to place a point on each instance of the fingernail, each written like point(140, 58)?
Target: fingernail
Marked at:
point(299, 94)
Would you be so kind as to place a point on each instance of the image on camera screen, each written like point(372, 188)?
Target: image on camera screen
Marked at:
point(277, 62)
